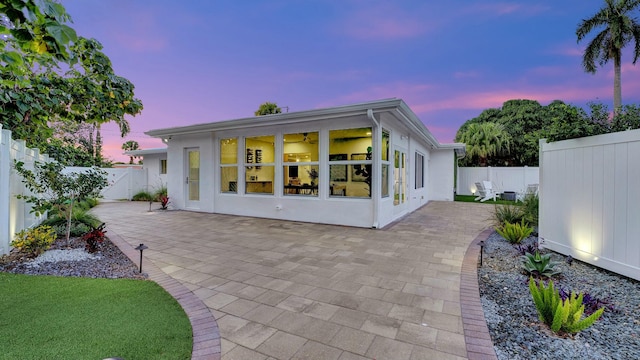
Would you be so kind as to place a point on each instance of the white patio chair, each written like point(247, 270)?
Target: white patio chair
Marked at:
point(486, 191)
point(532, 189)
point(479, 191)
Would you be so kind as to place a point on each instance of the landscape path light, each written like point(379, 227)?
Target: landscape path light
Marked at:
point(140, 248)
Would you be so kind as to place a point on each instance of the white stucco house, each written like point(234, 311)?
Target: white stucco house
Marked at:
point(155, 164)
point(363, 165)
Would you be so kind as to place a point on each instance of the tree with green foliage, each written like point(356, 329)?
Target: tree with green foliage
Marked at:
point(484, 140)
point(33, 93)
point(33, 33)
point(129, 146)
point(51, 189)
point(619, 28)
point(526, 121)
point(268, 108)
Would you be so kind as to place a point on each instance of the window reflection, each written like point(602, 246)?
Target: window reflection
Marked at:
point(301, 172)
point(229, 165)
point(259, 164)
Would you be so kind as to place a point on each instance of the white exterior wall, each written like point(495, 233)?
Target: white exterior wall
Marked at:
point(504, 178)
point(351, 211)
point(441, 183)
point(590, 200)
point(155, 180)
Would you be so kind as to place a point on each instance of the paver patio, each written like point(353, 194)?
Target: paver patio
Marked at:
point(290, 290)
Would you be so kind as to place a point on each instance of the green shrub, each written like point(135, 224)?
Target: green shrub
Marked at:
point(143, 196)
point(93, 202)
point(34, 241)
point(160, 193)
point(507, 214)
point(560, 315)
point(76, 230)
point(86, 204)
point(530, 206)
point(514, 233)
point(81, 222)
point(540, 265)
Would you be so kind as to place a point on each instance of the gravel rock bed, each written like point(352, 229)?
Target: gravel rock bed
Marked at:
point(513, 321)
point(73, 260)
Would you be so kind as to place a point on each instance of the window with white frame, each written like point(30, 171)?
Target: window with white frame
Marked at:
point(229, 165)
point(419, 170)
point(163, 166)
point(301, 170)
point(350, 162)
point(386, 163)
point(259, 164)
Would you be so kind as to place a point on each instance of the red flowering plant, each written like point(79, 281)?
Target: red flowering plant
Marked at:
point(94, 237)
point(164, 201)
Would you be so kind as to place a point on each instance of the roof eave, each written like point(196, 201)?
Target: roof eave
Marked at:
point(279, 119)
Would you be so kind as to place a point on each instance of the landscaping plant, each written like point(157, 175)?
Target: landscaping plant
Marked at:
point(591, 303)
point(561, 315)
point(81, 222)
point(514, 232)
point(529, 248)
point(530, 206)
point(34, 241)
point(507, 214)
point(94, 237)
point(540, 265)
point(143, 196)
point(162, 191)
point(164, 201)
point(51, 189)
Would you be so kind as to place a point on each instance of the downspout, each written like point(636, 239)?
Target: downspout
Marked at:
point(375, 157)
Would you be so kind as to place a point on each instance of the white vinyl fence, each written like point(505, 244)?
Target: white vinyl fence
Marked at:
point(513, 179)
point(15, 214)
point(590, 200)
point(123, 182)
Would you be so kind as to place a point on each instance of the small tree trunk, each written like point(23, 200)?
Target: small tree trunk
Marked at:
point(69, 215)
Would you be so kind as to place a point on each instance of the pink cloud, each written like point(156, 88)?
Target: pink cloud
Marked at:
point(507, 8)
point(386, 22)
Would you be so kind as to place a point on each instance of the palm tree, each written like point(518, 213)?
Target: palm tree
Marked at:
point(620, 27)
point(485, 140)
point(129, 146)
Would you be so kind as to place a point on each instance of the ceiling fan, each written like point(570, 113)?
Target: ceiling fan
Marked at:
point(307, 139)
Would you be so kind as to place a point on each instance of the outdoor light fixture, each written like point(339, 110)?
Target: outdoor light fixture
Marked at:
point(140, 248)
point(481, 250)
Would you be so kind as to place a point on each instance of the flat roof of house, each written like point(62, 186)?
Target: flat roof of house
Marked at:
point(401, 109)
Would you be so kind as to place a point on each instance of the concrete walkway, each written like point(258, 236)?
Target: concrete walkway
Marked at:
point(289, 290)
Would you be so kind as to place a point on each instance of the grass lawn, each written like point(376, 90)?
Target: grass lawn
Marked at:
point(49, 317)
point(471, 198)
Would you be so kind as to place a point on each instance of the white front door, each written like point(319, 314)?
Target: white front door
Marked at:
point(192, 170)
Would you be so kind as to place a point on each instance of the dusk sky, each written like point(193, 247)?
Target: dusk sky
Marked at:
point(203, 61)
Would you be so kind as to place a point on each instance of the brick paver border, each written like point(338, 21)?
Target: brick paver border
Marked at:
point(206, 335)
point(476, 332)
